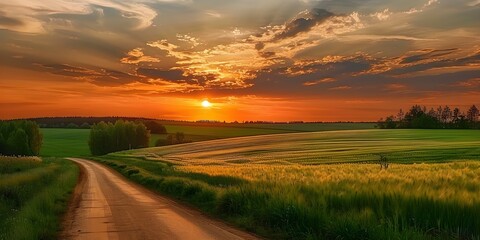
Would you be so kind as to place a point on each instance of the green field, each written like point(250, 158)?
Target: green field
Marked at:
point(61, 142)
point(325, 185)
point(34, 195)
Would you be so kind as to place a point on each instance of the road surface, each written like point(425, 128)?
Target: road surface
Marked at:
point(111, 207)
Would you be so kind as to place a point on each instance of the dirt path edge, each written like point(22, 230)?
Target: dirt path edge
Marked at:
point(74, 202)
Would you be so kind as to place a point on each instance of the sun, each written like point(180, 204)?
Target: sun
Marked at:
point(206, 104)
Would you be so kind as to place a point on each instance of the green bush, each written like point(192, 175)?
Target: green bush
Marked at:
point(20, 138)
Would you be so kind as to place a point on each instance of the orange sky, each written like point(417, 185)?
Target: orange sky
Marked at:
point(294, 60)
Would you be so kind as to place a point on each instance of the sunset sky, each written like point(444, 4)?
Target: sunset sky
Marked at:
point(311, 60)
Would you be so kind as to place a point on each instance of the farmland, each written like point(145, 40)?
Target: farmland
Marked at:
point(325, 185)
point(34, 194)
point(62, 142)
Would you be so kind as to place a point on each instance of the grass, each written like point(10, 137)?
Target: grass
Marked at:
point(59, 142)
point(33, 196)
point(325, 185)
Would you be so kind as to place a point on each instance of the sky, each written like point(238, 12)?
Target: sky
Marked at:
point(270, 60)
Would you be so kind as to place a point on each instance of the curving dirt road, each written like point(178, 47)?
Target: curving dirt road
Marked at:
point(111, 207)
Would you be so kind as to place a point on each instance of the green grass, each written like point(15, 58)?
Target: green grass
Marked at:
point(59, 142)
point(33, 196)
point(325, 185)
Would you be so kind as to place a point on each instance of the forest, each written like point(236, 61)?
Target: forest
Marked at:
point(418, 117)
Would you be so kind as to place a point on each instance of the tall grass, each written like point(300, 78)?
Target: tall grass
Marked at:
point(351, 201)
point(325, 185)
point(33, 196)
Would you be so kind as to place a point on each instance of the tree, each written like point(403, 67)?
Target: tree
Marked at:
point(106, 138)
point(20, 138)
point(17, 143)
point(446, 115)
point(472, 114)
point(72, 125)
point(155, 127)
point(400, 115)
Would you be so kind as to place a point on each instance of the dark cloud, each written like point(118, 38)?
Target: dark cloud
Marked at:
point(435, 63)
point(110, 77)
point(259, 46)
point(101, 77)
point(267, 54)
point(170, 75)
point(67, 70)
point(430, 54)
point(177, 75)
point(9, 22)
point(305, 23)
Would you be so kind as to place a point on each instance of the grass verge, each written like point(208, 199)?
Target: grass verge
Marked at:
point(33, 196)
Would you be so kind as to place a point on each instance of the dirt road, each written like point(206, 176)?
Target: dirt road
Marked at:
point(111, 207)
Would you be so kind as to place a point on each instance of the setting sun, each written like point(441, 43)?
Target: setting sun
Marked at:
point(206, 104)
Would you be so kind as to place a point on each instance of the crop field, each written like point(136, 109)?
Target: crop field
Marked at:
point(62, 142)
point(33, 195)
point(399, 146)
point(325, 185)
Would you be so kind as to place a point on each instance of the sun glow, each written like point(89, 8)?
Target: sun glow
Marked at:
point(206, 104)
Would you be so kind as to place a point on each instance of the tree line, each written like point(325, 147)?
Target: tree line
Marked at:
point(441, 117)
point(20, 138)
point(155, 126)
point(122, 135)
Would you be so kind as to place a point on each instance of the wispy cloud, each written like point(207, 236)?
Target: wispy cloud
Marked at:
point(137, 56)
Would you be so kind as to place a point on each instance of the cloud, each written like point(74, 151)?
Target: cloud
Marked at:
point(188, 39)
point(305, 23)
point(169, 75)
point(10, 22)
point(396, 86)
point(384, 15)
point(429, 55)
point(341, 88)
point(426, 60)
point(99, 76)
point(137, 56)
point(471, 83)
point(323, 80)
point(34, 12)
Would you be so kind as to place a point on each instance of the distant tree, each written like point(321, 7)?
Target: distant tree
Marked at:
point(107, 137)
point(161, 142)
point(155, 127)
point(176, 138)
point(72, 125)
point(390, 122)
point(400, 115)
point(446, 115)
point(472, 114)
point(85, 125)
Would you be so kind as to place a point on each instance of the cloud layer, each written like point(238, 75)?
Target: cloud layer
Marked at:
point(345, 51)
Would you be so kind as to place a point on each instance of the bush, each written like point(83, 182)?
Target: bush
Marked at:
point(20, 138)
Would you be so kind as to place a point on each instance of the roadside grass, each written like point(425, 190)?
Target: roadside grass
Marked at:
point(280, 197)
point(33, 196)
